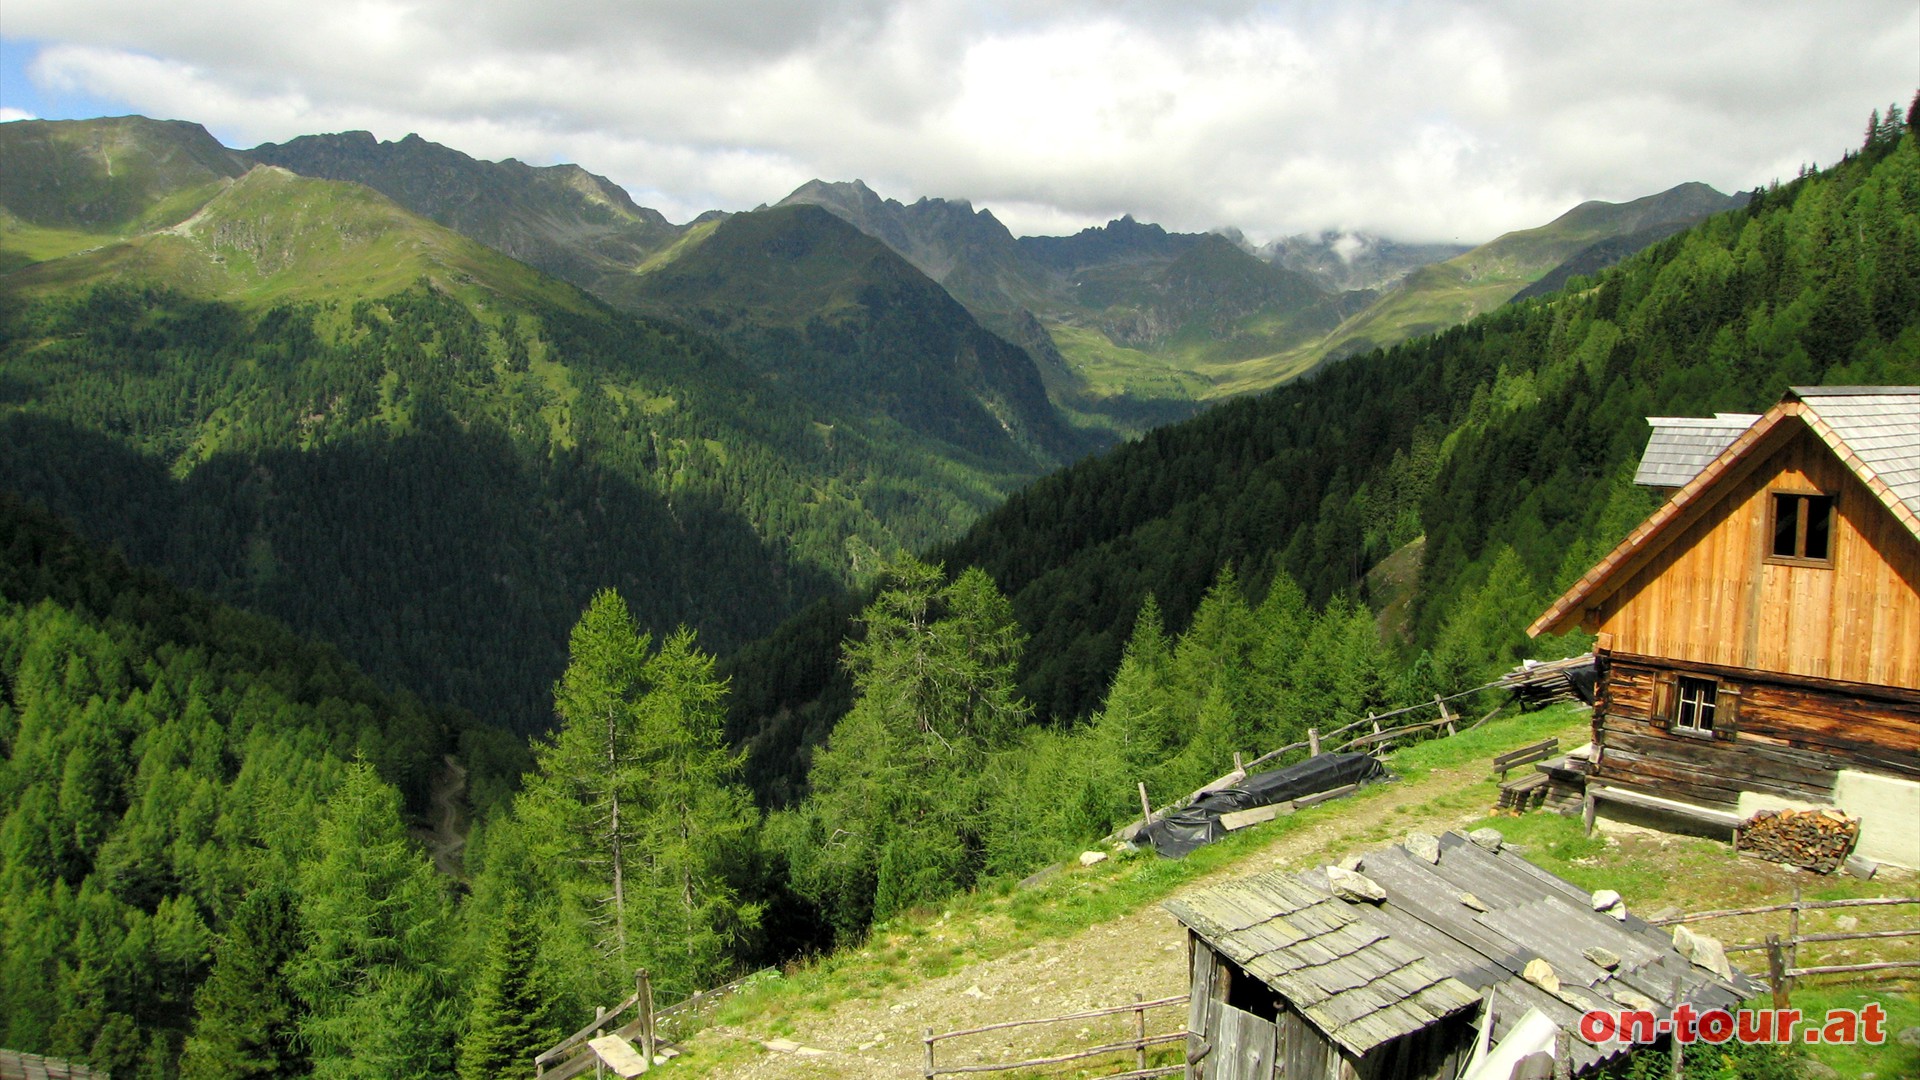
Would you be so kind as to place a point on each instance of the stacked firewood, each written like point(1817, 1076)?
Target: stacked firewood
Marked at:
point(1816, 839)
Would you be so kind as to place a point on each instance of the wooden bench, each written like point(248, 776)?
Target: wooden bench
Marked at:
point(1525, 793)
point(1704, 815)
point(1526, 755)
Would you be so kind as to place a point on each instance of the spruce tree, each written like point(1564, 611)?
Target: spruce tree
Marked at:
point(512, 1018)
point(246, 1015)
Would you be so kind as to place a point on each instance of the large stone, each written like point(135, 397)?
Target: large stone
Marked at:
point(1601, 958)
point(1487, 838)
point(1425, 845)
point(1092, 858)
point(1908, 1037)
point(1702, 951)
point(1355, 886)
point(1473, 901)
point(1540, 973)
point(1605, 899)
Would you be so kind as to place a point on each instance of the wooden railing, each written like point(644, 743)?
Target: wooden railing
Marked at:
point(1783, 951)
point(572, 1056)
point(1139, 1044)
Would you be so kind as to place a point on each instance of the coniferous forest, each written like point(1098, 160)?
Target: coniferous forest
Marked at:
point(267, 577)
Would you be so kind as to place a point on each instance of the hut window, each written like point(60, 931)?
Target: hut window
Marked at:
point(1698, 705)
point(1802, 529)
point(1695, 706)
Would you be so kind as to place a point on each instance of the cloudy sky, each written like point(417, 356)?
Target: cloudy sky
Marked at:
point(1428, 120)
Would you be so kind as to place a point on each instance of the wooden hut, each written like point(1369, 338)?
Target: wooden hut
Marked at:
point(1296, 978)
point(1759, 634)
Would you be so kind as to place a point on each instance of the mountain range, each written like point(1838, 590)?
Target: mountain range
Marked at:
point(255, 347)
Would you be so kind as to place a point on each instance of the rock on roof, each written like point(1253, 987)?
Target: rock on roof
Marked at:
point(1365, 973)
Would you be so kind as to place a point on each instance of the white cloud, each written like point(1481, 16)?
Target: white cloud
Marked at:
point(1445, 119)
point(8, 115)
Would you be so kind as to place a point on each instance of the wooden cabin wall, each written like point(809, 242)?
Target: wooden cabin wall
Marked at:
point(1791, 739)
point(1710, 596)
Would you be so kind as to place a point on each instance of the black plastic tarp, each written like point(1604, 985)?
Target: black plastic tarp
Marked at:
point(1582, 678)
point(1198, 822)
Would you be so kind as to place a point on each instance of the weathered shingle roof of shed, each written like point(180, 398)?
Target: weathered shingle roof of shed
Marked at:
point(1353, 981)
point(1366, 973)
point(1683, 445)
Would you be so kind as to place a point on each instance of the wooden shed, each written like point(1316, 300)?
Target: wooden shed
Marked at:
point(1293, 979)
point(1759, 634)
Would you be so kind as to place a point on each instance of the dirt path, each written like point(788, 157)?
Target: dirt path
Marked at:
point(446, 840)
point(1141, 955)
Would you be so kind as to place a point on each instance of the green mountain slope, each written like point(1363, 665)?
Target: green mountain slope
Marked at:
point(1445, 294)
point(304, 399)
point(69, 187)
point(825, 309)
point(562, 219)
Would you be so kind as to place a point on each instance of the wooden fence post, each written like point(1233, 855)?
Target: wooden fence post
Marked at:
point(1793, 929)
point(1679, 1048)
point(929, 1042)
point(1313, 742)
point(1146, 810)
point(1140, 1030)
point(599, 1067)
point(1562, 1055)
point(1777, 971)
point(1445, 713)
point(643, 1001)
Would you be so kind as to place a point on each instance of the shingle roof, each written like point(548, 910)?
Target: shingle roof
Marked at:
point(1366, 973)
point(1353, 981)
point(1683, 445)
point(1880, 425)
point(15, 1065)
point(1873, 430)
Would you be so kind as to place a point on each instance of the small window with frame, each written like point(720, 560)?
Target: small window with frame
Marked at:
point(1801, 531)
point(1699, 706)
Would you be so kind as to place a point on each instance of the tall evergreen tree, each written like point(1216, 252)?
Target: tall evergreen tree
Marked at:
point(374, 978)
point(582, 801)
point(247, 1017)
point(513, 1015)
point(895, 818)
point(636, 804)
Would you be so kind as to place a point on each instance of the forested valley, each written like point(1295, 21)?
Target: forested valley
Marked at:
point(205, 862)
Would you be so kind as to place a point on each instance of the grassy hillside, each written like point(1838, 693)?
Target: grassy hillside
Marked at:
point(1089, 937)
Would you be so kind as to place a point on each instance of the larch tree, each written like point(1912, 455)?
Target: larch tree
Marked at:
point(375, 979)
point(635, 804)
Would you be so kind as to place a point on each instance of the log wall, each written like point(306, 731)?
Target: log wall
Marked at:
point(1791, 736)
point(1711, 594)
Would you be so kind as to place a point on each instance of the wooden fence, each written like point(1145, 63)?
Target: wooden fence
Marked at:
point(1139, 1044)
point(1375, 730)
point(1783, 952)
point(572, 1056)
